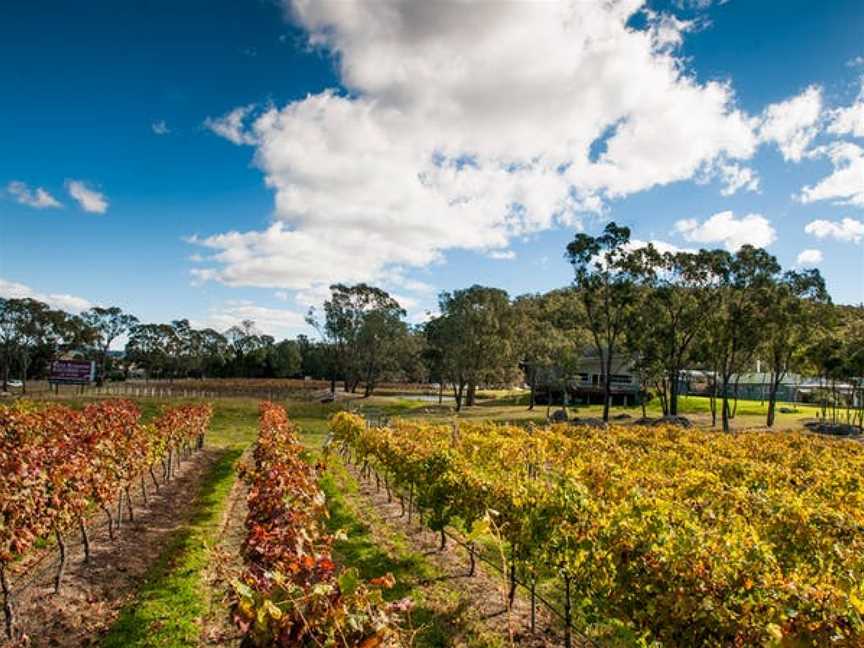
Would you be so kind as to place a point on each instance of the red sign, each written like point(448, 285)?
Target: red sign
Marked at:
point(72, 371)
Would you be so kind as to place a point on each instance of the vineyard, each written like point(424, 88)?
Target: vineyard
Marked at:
point(59, 466)
point(645, 536)
point(291, 592)
point(660, 537)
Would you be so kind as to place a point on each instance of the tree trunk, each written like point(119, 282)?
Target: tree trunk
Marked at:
point(607, 385)
point(725, 405)
point(673, 392)
point(471, 398)
point(533, 385)
point(25, 366)
point(772, 398)
point(457, 394)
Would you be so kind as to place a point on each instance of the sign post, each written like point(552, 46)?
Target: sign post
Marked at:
point(71, 372)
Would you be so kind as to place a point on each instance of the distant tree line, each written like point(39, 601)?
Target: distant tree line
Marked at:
point(668, 310)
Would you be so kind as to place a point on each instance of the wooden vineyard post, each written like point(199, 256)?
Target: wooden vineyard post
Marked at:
point(8, 611)
point(568, 642)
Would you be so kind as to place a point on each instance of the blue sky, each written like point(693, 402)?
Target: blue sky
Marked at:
point(229, 160)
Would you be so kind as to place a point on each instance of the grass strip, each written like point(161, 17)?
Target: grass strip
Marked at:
point(171, 601)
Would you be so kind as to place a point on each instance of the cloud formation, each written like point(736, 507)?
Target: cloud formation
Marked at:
point(809, 258)
point(550, 111)
point(38, 198)
point(90, 200)
point(724, 229)
point(845, 185)
point(278, 322)
point(231, 126)
point(160, 127)
point(793, 124)
point(849, 229)
point(71, 303)
point(849, 120)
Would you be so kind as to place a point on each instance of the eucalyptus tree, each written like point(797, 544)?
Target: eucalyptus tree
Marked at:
point(736, 326)
point(149, 347)
point(606, 286)
point(28, 328)
point(546, 332)
point(284, 359)
point(109, 324)
point(794, 307)
point(362, 327)
point(474, 335)
point(677, 289)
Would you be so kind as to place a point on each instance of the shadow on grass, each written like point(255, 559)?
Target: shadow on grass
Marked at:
point(169, 603)
point(437, 616)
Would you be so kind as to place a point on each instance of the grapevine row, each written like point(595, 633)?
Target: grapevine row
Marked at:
point(658, 536)
point(58, 463)
point(291, 593)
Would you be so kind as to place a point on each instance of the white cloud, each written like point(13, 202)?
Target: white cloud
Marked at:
point(848, 229)
point(431, 151)
point(723, 228)
point(38, 198)
point(502, 255)
point(661, 246)
point(736, 177)
point(846, 184)
point(855, 62)
point(71, 303)
point(89, 199)
point(278, 322)
point(793, 124)
point(160, 127)
point(232, 125)
point(849, 120)
point(809, 258)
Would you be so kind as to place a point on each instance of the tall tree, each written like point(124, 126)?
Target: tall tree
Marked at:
point(544, 333)
point(284, 359)
point(361, 325)
point(736, 327)
point(28, 326)
point(109, 324)
point(677, 289)
point(149, 347)
point(474, 335)
point(607, 289)
point(792, 310)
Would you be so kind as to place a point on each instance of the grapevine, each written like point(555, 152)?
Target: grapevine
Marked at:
point(57, 463)
point(291, 592)
point(660, 536)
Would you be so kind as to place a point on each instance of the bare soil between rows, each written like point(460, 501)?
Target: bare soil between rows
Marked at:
point(93, 594)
